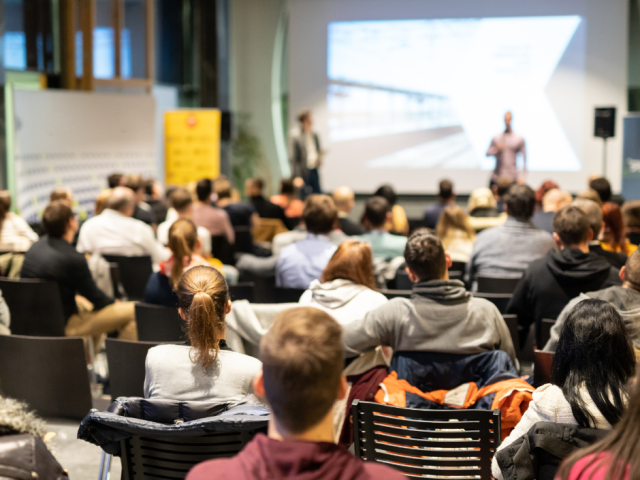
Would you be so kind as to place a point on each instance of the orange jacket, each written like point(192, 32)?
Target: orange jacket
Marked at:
point(512, 397)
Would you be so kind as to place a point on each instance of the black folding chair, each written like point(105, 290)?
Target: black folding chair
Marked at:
point(500, 300)
point(134, 274)
point(244, 239)
point(49, 374)
point(543, 333)
point(456, 444)
point(242, 291)
point(402, 280)
point(287, 295)
point(496, 284)
point(222, 249)
point(157, 323)
point(35, 307)
point(542, 368)
point(458, 267)
point(396, 293)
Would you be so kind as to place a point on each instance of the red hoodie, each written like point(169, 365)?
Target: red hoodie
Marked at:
point(266, 458)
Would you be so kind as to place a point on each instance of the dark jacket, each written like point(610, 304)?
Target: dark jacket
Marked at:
point(239, 214)
point(551, 282)
point(55, 260)
point(264, 457)
point(349, 227)
point(146, 216)
point(299, 160)
point(159, 292)
point(617, 260)
point(538, 454)
point(266, 209)
point(26, 456)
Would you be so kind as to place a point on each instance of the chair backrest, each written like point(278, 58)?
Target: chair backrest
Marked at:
point(157, 323)
point(458, 267)
point(456, 444)
point(35, 307)
point(402, 280)
point(542, 368)
point(396, 293)
point(49, 374)
point(134, 274)
point(242, 291)
point(287, 295)
point(267, 229)
point(514, 331)
point(244, 239)
point(126, 362)
point(543, 333)
point(500, 300)
point(168, 457)
point(222, 249)
point(495, 284)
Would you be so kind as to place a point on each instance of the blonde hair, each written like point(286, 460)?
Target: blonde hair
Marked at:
point(183, 237)
point(203, 295)
point(102, 199)
point(481, 198)
point(453, 218)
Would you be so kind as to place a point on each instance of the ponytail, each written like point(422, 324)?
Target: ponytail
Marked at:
point(203, 295)
point(183, 236)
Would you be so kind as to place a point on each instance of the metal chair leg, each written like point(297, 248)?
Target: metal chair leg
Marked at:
point(101, 473)
point(108, 468)
point(105, 466)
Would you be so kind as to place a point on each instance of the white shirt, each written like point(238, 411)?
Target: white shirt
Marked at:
point(16, 234)
point(116, 234)
point(203, 234)
point(312, 150)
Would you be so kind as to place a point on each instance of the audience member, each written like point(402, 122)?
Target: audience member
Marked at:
point(615, 457)
point(347, 288)
point(603, 187)
point(344, 199)
point(385, 245)
point(185, 245)
point(455, 233)
point(62, 194)
point(115, 180)
point(446, 197)
point(591, 368)
point(304, 261)
point(53, 258)
point(553, 201)
point(631, 218)
point(593, 211)
point(441, 315)
point(265, 209)
point(182, 203)
point(590, 194)
point(483, 210)
point(398, 222)
point(142, 210)
point(15, 234)
point(214, 219)
point(301, 379)
point(542, 191)
point(612, 236)
point(101, 201)
point(115, 232)
point(551, 282)
point(500, 189)
point(625, 299)
point(287, 200)
point(206, 369)
point(155, 200)
point(508, 250)
point(240, 214)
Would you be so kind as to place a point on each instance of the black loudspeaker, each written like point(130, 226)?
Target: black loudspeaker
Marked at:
point(226, 126)
point(605, 122)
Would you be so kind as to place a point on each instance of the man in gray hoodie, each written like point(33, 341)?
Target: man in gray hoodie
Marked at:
point(625, 299)
point(441, 315)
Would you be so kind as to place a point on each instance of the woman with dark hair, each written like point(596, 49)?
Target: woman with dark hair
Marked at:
point(206, 369)
point(347, 287)
point(591, 368)
point(399, 223)
point(612, 236)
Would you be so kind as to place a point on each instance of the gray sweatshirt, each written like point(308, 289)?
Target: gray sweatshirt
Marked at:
point(625, 300)
point(441, 316)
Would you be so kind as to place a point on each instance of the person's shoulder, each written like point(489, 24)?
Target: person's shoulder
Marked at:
point(378, 471)
point(217, 468)
point(167, 352)
point(549, 397)
point(237, 358)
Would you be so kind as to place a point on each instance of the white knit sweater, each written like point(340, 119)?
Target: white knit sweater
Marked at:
point(549, 405)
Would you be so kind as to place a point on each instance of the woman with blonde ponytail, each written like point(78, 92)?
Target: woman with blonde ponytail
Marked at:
point(184, 244)
point(206, 369)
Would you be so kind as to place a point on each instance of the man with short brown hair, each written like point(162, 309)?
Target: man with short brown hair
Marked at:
point(301, 379)
point(302, 262)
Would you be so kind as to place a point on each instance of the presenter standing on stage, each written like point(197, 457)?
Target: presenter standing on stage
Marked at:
point(505, 147)
point(307, 157)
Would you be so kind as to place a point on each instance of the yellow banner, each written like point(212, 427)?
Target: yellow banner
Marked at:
point(192, 145)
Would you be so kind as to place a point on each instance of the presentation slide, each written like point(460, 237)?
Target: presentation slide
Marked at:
point(408, 92)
